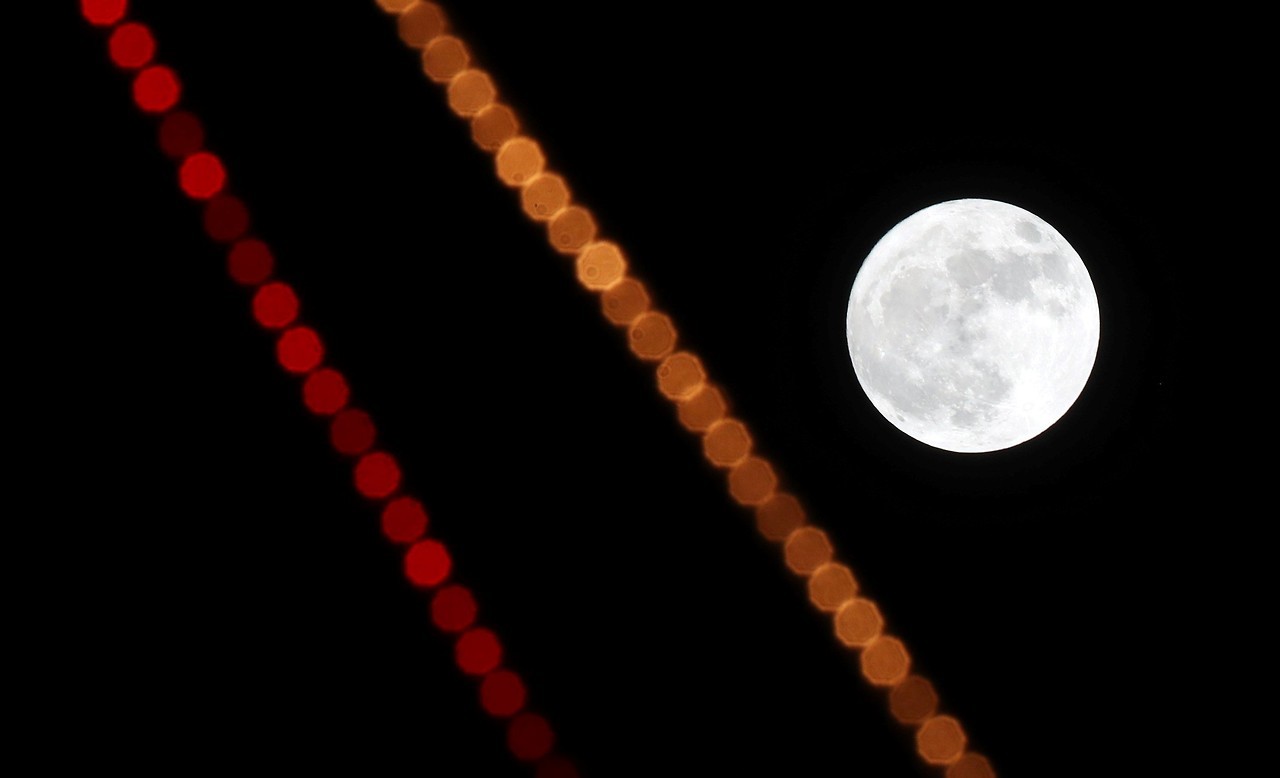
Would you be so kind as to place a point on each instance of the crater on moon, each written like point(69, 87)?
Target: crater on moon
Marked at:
point(973, 325)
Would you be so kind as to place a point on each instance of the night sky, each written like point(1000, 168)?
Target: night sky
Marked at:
point(227, 596)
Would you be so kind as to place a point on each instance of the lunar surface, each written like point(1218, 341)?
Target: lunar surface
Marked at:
point(973, 325)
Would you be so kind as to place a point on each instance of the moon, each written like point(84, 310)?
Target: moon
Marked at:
point(973, 325)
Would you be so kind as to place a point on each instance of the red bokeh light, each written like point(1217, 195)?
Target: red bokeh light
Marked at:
point(181, 134)
point(275, 305)
point(103, 13)
point(202, 175)
point(351, 431)
point(556, 767)
point(529, 737)
point(478, 651)
point(377, 475)
point(131, 45)
point(225, 218)
point(325, 391)
point(453, 609)
point(404, 520)
point(299, 350)
point(250, 262)
point(427, 563)
point(156, 89)
point(502, 693)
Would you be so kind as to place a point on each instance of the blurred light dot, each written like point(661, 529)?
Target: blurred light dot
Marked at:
point(624, 301)
point(680, 375)
point(807, 549)
point(299, 350)
point(275, 305)
point(544, 196)
point(529, 737)
point(325, 391)
point(352, 432)
point(181, 134)
point(779, 516)
point(419, 23)
point(404, 520)
point(831, 586)
point(913, 700)
point(699, 412)
point(225, 218)
point(478, 652)
point(752, 481)
point(453, 609)
point(502, 693)
point(556, 767)
point(132, 45)
point(885, 662)
point(494, 126)
point(940, 740)
point(250, 262)
point(156, 89)
point(858, 623)
point(600, 265)
point(470, 92)
point(103, 13)
point(571, 229)
point(652, 336)
point(395, 6)
point(427, 563)
point(519, 160)
point(377, 475)
point(971, 766)
point(445, 57)
point(202, 175)
point(727, 442)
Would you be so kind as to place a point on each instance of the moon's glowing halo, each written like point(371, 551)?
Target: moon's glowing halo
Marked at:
point(973, 325)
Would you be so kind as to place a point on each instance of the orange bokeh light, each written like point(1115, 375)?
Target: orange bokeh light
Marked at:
point(395, 6)
point(601, 265)
point(494, 126)
point(752, 481)
point(726, 442)
point(445, 57)
point(885, 662)
point(971, 766)
point(470, 92)
point(680, 376)
point(913, 700)
point(699, 412)
point(858, 623)
point(779, 516)
point(940, 740)
point(571, 229)
point(625, 301)
point(544, 196)
point(807, 549)
point(419, 23)
point(652, 336)
point(519, 160)
point(831, 586)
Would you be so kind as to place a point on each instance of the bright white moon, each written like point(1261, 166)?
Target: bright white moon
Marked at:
point(973, 325)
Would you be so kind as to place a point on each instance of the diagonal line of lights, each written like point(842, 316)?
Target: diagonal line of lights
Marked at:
point(300, 352)
point(727, 442)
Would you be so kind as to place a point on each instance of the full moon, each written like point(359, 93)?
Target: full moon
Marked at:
point(973, 325)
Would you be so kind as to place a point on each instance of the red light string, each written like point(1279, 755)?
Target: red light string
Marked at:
point(377, 476)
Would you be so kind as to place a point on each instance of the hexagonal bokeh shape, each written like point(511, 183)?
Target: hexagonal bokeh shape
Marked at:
point(625, 301)
point(702, 410)
point(727, 442)
point(470, 92)
point(519, 160)
point(445, 57)
point(571, 229)
point(779, 516)
point(680, 375)
point(885, 662)
point(941, 740)
point(752, 481)
point(858, 623)
point(420, 23)
point(494, 126)
point(971, 765)
point(544, 196)
point(807, 549)
point(913, 700)
point(652, 336)
point(831, 586)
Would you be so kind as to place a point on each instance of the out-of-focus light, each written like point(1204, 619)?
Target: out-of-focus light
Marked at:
point(445, 57)
point(478, 651)
point(103, 13)
point(752, 481)
point(519, 160)
point(571, 229)
point(352, 432)
point(275, 305)
point(971, 765)
point(131, 45)
point(470, 92)
point(940, 740)
point(250, 262)
point(913, 700)
point(494, 126)
point(395, 6)
point(858, 623)
point(225, 218)
point(807, 549)
point(202, 175)
point(529, 737)
point(779, 516)
point(726, 443)
point(502, 694)
point(299, 350)
point(601, 265)
point(404, 520)
point(680, 375)
point(453, 609)
point(652, 336)
point(419, 23)
point(556, 767)
point(325, 392)
point(427, 563)
point(181, 134)
point(831, 586)
point(377, 475)
point(156, 89)
point(625, 301)
point(701, 411)
point(885, 662)
point(544, 196)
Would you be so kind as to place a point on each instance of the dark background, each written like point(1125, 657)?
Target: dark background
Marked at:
point(226, 597)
